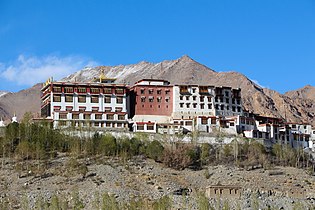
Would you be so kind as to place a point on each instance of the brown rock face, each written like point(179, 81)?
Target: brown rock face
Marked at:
point(295, 106)
point(27, 100)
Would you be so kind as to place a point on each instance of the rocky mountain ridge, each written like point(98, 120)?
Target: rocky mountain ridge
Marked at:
point(2, 93)
point(295, 106)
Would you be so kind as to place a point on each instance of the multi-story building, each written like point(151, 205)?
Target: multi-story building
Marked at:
point(96, 104)
point(151, 104)
point(227, 101)
point(301, 134)
point(176, 108)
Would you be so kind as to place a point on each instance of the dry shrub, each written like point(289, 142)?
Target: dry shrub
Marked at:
point(178, 156)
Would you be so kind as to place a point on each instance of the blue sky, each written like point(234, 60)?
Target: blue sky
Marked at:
point(271, 42)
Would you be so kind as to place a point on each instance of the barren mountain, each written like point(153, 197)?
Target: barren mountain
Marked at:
point(27, 100)
point(296, 106)
point(2, 93)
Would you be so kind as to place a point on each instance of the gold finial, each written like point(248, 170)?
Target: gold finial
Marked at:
point(102, 75)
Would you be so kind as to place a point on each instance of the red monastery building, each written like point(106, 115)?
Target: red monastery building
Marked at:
point(151, 102)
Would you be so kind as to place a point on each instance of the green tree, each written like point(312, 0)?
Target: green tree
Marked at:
point(155, 150)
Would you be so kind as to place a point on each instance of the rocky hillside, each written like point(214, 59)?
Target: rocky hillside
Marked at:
point(2, 93)
point(27, 100)
point(296, 106)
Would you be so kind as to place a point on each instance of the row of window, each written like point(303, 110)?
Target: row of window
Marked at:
point(82, 99)
point(151, 106)
point(151, 91)
point(222, 107)
point(194, 105)
point(151, 99)
point(194, 98)
point(64, 116)
point(92, 90)
point(227, 100)
point(94, 124)
point(185, 89)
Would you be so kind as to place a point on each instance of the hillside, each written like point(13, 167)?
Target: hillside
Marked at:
point(27, 100)
point(296, 106)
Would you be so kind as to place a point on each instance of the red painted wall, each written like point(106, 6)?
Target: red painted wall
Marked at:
point(155, 107)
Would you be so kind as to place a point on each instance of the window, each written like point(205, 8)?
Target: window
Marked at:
point(159, 91)
point(118, 109)
point(119, 100)
point(107, 90)
point(181, 98)
point(238, 101)
point(159, 99)
point(233, 100)
point(187, 105)
point(209, 106)
point(203, 89)
point(204, 121)
point(63, 116)
point(108, 109)
point(202, 99)
point(213, 121)
point(150, 127)
point(87, 116)
point(96, 124)
point(231, 124)
point(150, 91)
point(81, 90)
point(167, 99)
point(222, 107)
point(181, 105)
point(227, 93)
point(119, 91)
point(142, 98)
point(194, 98)
point(187, 97)
point(233, 108)
point(95, 90)
point(238, 109)
point(82, 99)
point(194, 105)
point(56, 98)
point(68, 89)
point(94, 99)
point(188, 123)
point(194, 90)
point(209, 99)
point(167, 91)
point(227, 100)
point(151, 99)
point(75, 116)
point(142, 91)
point(108, 99)
point(57, 89)
point(121, 117)
point(202, 106)
point(98, 116)
point(69, 98)
point(140, 127)
point(110, 116)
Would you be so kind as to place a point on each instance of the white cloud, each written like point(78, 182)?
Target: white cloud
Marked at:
point(29, 70)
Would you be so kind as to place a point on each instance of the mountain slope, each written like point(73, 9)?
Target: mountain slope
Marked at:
point(296, 106)
point(27, 100)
